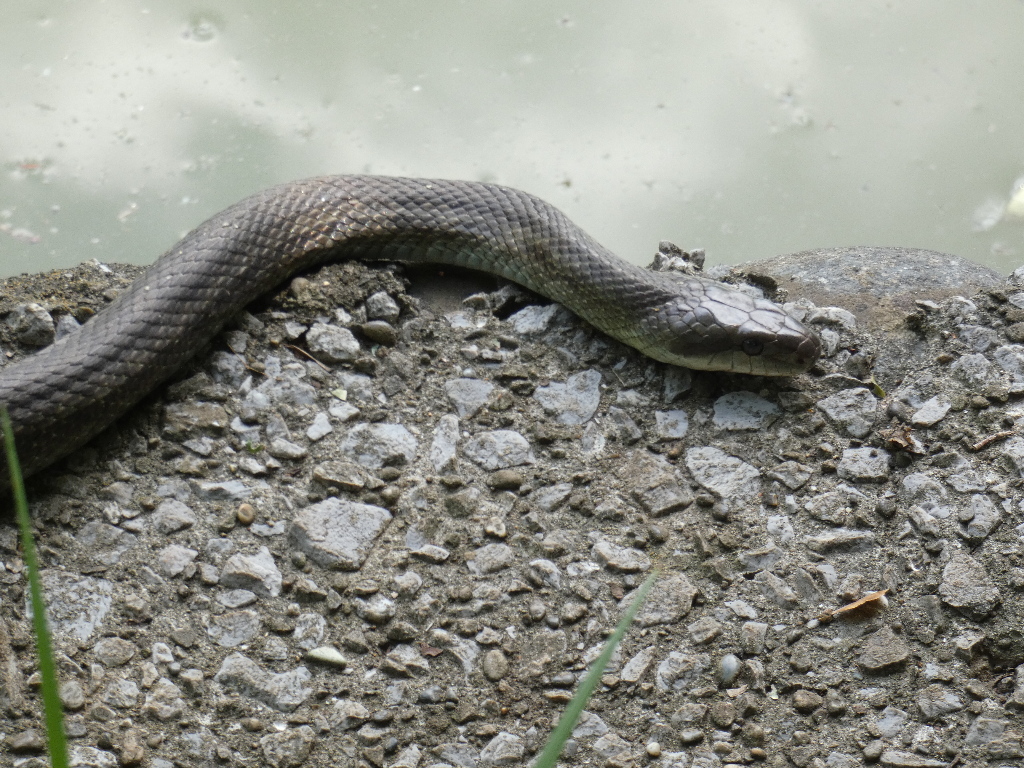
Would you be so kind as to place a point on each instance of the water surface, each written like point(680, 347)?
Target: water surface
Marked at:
point(745, 128)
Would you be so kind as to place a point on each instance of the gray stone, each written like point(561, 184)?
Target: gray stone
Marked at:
point(743, 411)
point(669, 600)
point(105, 543)
point(634, 669)
point(226, 490)
point(936, 700)
point(431, 553)
point(72, 695)
point(842, 540)
point(891, 722)
point(864, 465)
point(1010, 358)
point(967, 587)
point(704, 630)
point(201, 446)
point(776, 590)
point(974, 370)
point(722, 474)
point(680, 671)
point(490, 558)
point(678, 381)
point(573, 402)
point(885, 283)
point(347, 714)
point(320, 428)
point(671, 425)
point(406, 660)
point(834, 316)
point(918, 487)
point(617, 558)
point(182, 420)
point(979, 518)
point(620, 426)
point(500, 449)
point(445, 443)
point(174, 558)
point(236, 598)
point(589, 725)
point(338, 534)
point(930, 413)
point(977, 337)
point(896, 758)
point(753, 635)
point(985, 729)
point(883, 651)
point(791, 474)
point(535, 319)
point(234, 628)
point(172, 516)
point(280, 448)
point(664, 497)
point(332, 344)
point(344, 474)
point(468, 396)
point(380, 306)
point(851, 409)
point(550, 497)
point(611, 746)
point(288, 748)
point(759, 559)
point(89, 757)
point(1016, 700)
point(32, 324)
point(495, 665)
point(408, 758)
point(65, 326)
point(113, 651)
point(257, 573)
point(310, 630)
point(377, 609)
point(504, 749)
point(164, 701)
point(284, 691)
point(354, 387)
point(1013, 454)
point(379, 445)
point(120, 693)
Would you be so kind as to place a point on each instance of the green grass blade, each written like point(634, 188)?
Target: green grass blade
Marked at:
point(549, 757)
point(54, 715)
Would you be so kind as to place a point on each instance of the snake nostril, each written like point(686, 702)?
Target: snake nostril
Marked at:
point(752, 347)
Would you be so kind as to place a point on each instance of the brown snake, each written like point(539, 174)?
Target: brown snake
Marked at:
point(65, 394)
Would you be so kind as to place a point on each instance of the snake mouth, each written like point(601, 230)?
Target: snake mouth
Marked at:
point(775, 362)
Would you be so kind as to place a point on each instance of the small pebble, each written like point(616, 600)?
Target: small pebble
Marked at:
point(245, 514)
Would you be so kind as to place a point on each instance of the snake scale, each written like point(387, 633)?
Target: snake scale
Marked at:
point(63, 395)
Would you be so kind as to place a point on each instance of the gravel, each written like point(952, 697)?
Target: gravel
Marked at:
point(360, 530)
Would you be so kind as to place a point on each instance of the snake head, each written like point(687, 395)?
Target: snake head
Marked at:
point(718, 328)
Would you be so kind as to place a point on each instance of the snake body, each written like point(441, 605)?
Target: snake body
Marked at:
point(68, 392)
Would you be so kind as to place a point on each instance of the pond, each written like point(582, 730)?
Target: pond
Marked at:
point(747, 129)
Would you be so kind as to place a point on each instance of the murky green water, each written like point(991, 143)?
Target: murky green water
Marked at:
point(745, 128)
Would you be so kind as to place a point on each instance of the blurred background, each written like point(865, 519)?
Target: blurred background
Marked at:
point(746, 128)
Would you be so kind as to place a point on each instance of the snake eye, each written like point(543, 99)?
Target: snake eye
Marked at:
point(752, 347)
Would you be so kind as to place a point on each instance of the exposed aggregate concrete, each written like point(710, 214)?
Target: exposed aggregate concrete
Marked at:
point(358, 531)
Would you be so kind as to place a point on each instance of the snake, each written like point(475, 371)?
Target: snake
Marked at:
point(61, 396)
